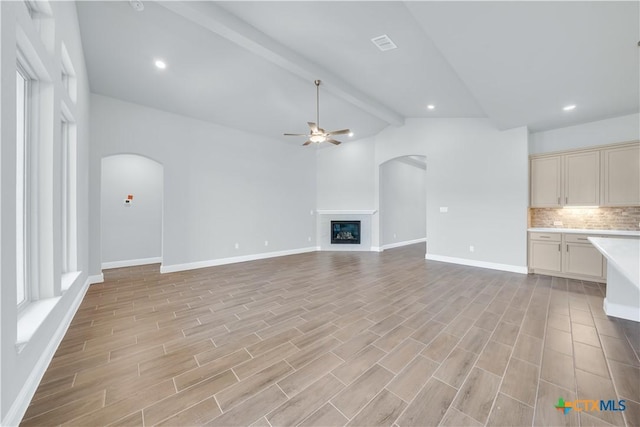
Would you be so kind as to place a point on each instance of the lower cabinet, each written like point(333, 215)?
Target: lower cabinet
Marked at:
point(565, 255)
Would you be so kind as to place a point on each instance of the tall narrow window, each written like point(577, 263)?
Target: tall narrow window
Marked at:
point(22, 187)
point(68, 217)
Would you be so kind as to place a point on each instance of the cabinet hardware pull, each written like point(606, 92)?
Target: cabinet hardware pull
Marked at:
point(581, 238)
point(558, 248)
point(567, 248)
point(558, 200)
point(566, 199)
point(545, 237)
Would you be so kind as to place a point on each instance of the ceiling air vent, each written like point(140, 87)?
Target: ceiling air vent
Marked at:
point(384, 42)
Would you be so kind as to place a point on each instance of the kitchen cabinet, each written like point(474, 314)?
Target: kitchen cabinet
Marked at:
point(565, 180)
point(581, 257)
point(621, 176)
point(546, 178)
point(582, 179)
point(565, 255)
point(599, 176)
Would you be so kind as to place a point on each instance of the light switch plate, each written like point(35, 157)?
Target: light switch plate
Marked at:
point(444, 209)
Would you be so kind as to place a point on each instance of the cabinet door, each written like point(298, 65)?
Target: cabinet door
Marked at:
point(621, 170)
point(582, 179)
point(545, 256)
point(546, 174)
point(583, 259)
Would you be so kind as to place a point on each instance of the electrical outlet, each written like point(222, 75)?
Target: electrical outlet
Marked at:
point(394, 235)
point(557, 223)
point(311, 212)
point(444, 209)
point(266, 243)
point(237, 245)
point(472, 249)
point(309, 238)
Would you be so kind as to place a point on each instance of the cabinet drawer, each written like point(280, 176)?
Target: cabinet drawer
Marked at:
point(578, 238)
point(549, 237)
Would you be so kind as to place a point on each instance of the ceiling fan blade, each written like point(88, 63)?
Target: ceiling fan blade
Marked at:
point(313, 127)
point(333, 141)
point(295, 134)
point(339, 132)
point(306, 143)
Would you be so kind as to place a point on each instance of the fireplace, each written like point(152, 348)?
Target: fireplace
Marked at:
point(345, 232)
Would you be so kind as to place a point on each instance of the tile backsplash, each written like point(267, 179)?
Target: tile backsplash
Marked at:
point(612, 218)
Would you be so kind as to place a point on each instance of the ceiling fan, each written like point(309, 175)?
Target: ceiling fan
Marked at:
point(316, 133)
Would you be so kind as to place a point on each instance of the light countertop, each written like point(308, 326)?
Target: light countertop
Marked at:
point(585, 231)
point(624, 254)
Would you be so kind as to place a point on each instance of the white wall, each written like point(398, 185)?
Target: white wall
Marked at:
point(481, 175)
point(477, 171)
point(609, 131)
point(402, 202)
point(131, 233)
point(21, 371)
point(222, 186)
point(345, 175)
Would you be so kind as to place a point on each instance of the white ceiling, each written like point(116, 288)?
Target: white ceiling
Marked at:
point(251, 65)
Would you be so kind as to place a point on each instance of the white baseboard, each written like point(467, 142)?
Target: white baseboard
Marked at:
point(131, 262)
point(475, 263)
point(405, 243)
point(622, 311)
point(96, 278)
point(20, 405)
point(376, 249)
point(232, 260)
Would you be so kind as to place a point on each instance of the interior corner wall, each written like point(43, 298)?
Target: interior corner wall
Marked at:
point(402, 202)
point(481, 175)
point(222, 186)
point(21, 371)
point(601, 132)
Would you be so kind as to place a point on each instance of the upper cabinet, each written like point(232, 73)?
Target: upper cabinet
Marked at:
point(604, 176)
point(546, 180)
point(582, 179)
point(621, 176)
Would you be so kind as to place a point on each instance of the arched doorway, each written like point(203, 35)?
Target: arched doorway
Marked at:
point(131, 210)
point(402, 201)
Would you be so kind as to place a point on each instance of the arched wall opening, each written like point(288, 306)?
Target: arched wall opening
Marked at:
point(402, 201)
point(131, 210)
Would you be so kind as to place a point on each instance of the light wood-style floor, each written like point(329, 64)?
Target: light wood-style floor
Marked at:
point(328, 339)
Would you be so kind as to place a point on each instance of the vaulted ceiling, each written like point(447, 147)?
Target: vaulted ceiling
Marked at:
point(251, 65)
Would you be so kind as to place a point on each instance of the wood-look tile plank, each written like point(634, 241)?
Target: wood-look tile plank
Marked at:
point(303, 404)
point(455, 368)
point(327, 415)
point(238, 392)
point(455, 418)
point(430, 404)
point(441, 346)
point(477, 394)
point(362, 390)
point(208, 370)
point(521, 381)
point(252, 409)
point(401, 355)
point(409, 382)
point(548, 395)
point(494, 358)
point(358, 364)
point(61, 414)
point(269, 358)
point(297, 381)
point(382, 410)
point(509, 412)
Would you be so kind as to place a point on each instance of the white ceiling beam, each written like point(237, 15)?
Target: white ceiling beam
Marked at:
point(219, 21)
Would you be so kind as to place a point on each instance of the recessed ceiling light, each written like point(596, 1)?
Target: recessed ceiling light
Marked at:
point(569, 107)
point(431, 107)
point(160, 64)
point(350, 134)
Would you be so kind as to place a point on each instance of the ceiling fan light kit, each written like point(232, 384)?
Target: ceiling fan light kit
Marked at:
point(316, 133)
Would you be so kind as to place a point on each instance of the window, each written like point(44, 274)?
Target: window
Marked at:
point(68, 217)
point(23, 228)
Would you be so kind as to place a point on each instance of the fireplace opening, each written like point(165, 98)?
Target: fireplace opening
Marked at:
point(345, 232)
